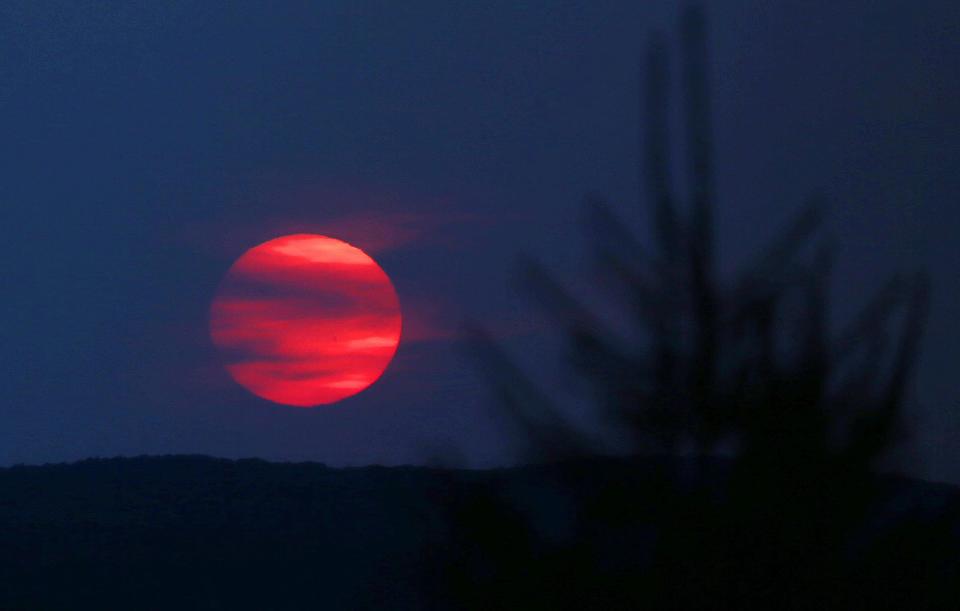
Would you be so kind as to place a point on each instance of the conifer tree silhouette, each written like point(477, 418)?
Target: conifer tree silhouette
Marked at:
point(750, 366)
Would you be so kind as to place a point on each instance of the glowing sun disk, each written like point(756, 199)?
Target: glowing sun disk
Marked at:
point(305, 320)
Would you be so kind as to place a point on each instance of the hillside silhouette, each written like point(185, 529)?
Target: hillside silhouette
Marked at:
point(191, 532)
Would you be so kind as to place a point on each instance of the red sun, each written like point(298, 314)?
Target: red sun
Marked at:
point(305, 320)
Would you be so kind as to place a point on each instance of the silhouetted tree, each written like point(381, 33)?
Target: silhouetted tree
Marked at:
point(767, 427)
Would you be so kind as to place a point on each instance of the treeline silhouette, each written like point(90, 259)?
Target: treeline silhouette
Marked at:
point(197, 533)
point(767, 428)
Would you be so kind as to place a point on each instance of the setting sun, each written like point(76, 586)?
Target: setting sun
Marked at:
point(305, 320)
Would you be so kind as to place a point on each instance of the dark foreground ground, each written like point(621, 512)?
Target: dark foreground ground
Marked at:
point(202, 533)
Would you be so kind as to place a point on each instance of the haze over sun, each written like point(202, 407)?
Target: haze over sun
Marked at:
point(305, 320)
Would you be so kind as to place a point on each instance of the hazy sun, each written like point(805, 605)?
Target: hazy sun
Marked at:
point(305, 320)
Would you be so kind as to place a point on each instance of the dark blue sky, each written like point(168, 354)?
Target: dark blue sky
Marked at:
point(145, 145)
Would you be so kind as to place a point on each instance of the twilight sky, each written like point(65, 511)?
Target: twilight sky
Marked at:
point(146, 145)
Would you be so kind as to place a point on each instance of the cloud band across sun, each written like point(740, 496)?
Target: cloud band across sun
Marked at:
point(306, 320)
